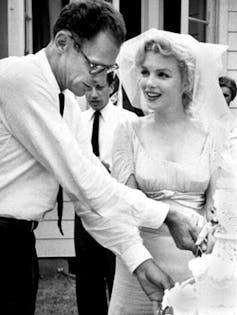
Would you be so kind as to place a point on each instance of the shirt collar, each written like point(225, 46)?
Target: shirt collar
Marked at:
point(46, 69)
point(105, 112)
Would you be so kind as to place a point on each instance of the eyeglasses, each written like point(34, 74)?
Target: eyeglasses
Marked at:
point(95, 68)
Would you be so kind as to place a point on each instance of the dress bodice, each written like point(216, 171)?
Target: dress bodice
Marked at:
point(185, 183)
point(155, 175)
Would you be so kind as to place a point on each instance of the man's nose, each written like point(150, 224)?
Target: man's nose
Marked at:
point(94, 93)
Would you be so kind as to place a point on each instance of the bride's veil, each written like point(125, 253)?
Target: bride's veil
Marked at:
point(208, 102)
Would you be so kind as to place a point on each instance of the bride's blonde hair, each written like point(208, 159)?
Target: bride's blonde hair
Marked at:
point(185, 61)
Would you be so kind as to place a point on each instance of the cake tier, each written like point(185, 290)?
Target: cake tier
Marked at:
point(184, 301)
point(182, 297)
point(216, 274)
point(214, 287)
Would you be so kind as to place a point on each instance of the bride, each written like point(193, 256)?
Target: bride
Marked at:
point(171, 152)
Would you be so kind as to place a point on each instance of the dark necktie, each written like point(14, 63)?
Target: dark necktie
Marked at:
point(60, 190)
point(95, 133)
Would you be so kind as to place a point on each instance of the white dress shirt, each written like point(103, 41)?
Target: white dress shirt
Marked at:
point(39, 149)
point(110, 117)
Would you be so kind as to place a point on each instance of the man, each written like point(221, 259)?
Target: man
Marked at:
point(229, 88)
point(40, 150)
point(94, 263)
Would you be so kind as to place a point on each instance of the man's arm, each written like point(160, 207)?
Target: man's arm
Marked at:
point(125, 241)
point(152, 278)
point(52, 144)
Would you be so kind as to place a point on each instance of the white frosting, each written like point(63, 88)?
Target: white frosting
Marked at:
point(177, 296)
point(214, 289)
point(216, 275)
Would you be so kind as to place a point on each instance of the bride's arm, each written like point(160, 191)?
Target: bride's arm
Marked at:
point(206, 238)
point(209, 208)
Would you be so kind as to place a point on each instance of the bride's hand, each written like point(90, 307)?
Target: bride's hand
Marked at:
point(184, 226)
point(157, 309)
point(206, 239)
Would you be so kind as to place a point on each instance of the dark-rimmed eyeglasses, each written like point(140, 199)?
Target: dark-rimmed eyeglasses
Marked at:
point(95, 68)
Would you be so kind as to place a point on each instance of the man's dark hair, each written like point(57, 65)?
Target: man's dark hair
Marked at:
point(110, 78)
point(229, 83)
point(86, 18)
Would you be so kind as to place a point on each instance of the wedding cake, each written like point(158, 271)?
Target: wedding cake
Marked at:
point(213, 289)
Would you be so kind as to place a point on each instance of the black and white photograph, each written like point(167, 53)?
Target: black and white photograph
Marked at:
point(118, 157)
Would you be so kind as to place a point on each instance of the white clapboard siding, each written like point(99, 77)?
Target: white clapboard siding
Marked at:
point(232, 22)
point(49, 241)
point(232, 5)
point(232, 40)
point(232, 43)
point(232, 60)
point(234, 111)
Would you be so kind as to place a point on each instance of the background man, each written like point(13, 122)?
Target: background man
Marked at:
point(94, 263)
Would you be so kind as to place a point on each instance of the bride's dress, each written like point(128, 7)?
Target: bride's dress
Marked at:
point(171, 182)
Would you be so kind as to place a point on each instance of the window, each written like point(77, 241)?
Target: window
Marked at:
point(198, 18)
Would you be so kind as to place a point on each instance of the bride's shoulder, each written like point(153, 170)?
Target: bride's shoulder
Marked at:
point(217, 129)
point(195, 129)
point(217, 135)
point(136, 122)
point(212, 128)
point(128, 126)
point(139, 124)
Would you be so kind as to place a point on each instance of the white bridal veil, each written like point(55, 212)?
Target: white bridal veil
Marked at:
point(208, 101)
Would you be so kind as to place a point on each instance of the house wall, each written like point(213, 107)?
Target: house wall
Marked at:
point(228, 35)
point(232, 41)
point(3, 29)
point(16, 27)
point(49, 241)
point(12, 30)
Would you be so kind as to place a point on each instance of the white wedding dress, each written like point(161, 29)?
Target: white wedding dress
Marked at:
point(169, 182)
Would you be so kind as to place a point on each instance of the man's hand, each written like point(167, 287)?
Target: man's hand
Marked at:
point(153, 280)
point(184, 226)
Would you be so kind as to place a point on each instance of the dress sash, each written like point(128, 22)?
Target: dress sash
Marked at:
point(192, 200)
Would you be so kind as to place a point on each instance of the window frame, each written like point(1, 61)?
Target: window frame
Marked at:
point(210, 21)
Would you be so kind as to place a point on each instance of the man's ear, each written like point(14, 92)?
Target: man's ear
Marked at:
point(185, 86)
point(63, 40)
point(112, 88)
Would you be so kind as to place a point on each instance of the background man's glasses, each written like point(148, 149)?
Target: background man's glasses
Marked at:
point(95, 68)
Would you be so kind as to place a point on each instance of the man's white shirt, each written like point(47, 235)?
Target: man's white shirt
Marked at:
point(39, 149)
point(110, 117)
